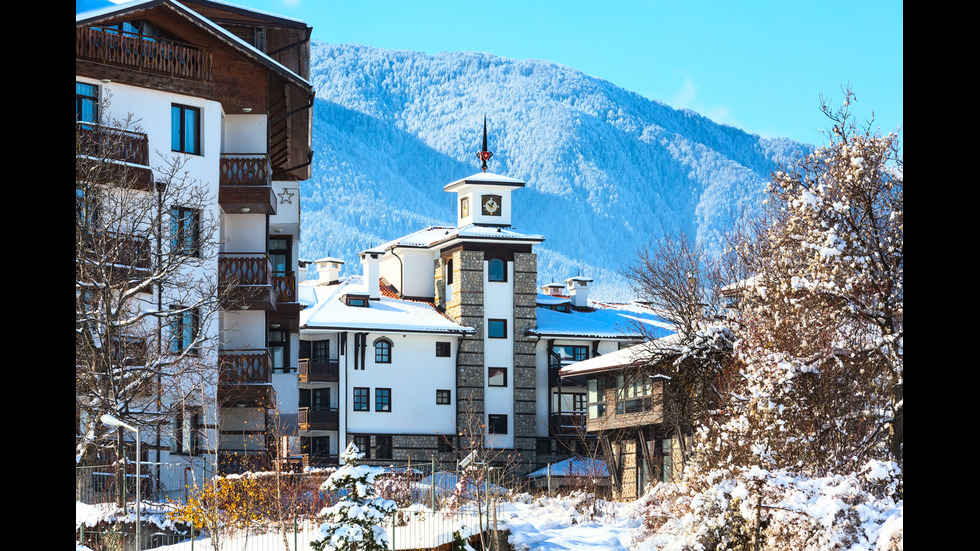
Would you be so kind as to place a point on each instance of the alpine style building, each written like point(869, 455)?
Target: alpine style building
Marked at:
point(225, 90)
point(442, 343)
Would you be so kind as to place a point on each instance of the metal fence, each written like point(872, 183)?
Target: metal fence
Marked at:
point(424, 521)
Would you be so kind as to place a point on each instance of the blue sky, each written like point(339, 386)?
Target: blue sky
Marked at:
point(758, 65)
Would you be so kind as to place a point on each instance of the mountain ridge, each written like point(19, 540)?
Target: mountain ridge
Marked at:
point(606, 169)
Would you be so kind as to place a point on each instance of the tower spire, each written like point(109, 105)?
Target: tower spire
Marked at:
point(484, 155)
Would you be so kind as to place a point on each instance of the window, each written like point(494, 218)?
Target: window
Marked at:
point(382, 351)
point(382, 449)
point(185, 235)
point(442, 349)
point(578, 402)
point(279, 350)
point(596, 397)
point(544, 446)
point(183, 432)
point(443, 397)
point(319, 399)
point(497, 376)
point(445, 445)
point(317, 446)
point(497, 270)
point(449, 271)
point(572, 353)
point(320, 350)
point(86, 102)
point(382, 399)
point(497, 424)
point(361, 400)
point(363, 443)
point(357, 301)
point(497, 329)
point(183, 330)
point(185, 129)
point(280, 253)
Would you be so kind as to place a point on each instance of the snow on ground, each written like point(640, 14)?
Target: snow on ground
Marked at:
point(571, 523)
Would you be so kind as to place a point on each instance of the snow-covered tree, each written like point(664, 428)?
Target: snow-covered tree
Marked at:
point(144, 300)
point(807, 453)
point(356, 521)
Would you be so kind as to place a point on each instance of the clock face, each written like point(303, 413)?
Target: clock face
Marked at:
point(491, 205)
point(464, 207)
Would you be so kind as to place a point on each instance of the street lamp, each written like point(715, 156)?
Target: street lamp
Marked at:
point(111, 421)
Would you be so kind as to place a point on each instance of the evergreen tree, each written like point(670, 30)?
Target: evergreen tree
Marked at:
point(355, 522)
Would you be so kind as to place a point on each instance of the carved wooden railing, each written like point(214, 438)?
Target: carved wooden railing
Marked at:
point(244, 366)
point(284, 285)
point(244, 269)
point(245, 170)
point(112, 143)
point(143, 53)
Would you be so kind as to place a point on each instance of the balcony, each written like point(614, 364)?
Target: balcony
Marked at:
point(142, 53)
point(318, 419)
point(284, 286)
point(567, 423)
point(114, 257)
point(245, 378)
point(112, 156)
point(245, 184)
point(319, 371)
point(246, 281)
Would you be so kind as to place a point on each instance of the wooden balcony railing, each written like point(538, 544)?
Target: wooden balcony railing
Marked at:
point(117, 256)
point(112, 143)
point(322, 371)
point(568, 423)
point(245, 169)
point(246, 280)
point(143, 53)
point(246, 184)
point(284, 286)
point(244, 366)
point(318, 419)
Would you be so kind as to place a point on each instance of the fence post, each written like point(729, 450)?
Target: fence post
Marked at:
point(295, 533)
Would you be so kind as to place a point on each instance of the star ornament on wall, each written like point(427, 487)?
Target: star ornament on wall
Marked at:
point(286, 197)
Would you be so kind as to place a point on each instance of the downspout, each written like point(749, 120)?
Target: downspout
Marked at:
point(401, 282)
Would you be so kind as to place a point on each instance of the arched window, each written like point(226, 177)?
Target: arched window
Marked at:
point(497, 270)
point(382, 351)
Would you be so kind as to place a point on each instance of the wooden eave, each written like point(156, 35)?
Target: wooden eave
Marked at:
point(241, 78)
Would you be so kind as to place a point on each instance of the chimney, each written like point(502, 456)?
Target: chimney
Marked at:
point(328, 270)
point(578, 289)
point(553, 289)
point(371, 260)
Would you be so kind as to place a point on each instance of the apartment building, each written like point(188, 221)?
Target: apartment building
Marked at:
point(224, 92)
point(442, 342)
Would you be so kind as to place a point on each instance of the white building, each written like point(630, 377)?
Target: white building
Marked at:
point(446, 327)
point(196, 76)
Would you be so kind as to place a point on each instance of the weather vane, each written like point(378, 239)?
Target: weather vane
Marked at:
point(484, 155)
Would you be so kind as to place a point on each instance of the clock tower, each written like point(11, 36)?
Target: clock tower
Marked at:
point(483, 199)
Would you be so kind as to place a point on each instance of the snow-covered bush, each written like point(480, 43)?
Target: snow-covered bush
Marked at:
point(355, 522)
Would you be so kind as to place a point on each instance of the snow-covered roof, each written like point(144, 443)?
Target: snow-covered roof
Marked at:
point(484, 178)
point(549, 300)
point(601, 321)
point(435, 235)
point(573, 466)
point(328, 310)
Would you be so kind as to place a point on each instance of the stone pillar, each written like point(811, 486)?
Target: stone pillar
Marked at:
point(466, 308)
point(525, 419)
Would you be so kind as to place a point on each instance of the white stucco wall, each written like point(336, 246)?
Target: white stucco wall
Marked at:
point(414, 375)
point(499, 304)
